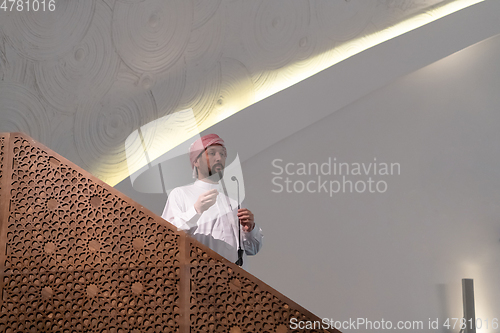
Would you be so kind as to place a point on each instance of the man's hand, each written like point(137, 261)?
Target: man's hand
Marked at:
point(246, 219)
point(205, 201)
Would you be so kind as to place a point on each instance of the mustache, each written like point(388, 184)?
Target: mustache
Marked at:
point(216, 165)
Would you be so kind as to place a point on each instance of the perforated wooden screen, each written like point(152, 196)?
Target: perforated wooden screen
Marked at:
point(78, 256)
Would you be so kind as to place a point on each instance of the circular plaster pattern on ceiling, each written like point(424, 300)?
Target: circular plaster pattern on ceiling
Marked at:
point(103, 126)
point(15, 68)
point(22, 111)
point(89, 70)
point(206, 43)
point(46, 35)
point(273, 31)
point(343, 20)
point(308, 61)
point(201, 92)
point(203, 11)
point(152, 35)
point(237, 90)
point(128, 1)
point(2, 58)
point(166, 87)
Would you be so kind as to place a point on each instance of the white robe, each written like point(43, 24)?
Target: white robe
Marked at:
point(217, 226)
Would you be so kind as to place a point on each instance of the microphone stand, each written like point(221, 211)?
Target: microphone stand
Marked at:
point(238, 262)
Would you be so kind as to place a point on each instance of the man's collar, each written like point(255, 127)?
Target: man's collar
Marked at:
point(206, 185)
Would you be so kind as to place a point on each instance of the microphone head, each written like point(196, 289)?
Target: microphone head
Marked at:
point(233, 178)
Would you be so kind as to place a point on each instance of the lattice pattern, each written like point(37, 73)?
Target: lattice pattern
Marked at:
point(82, 258)
point(78, 254)
point(224, 300)
point(2, 153)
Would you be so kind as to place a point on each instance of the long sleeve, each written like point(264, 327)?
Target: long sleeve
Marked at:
point(252, 241)
point(217, 227)
point(180, 212)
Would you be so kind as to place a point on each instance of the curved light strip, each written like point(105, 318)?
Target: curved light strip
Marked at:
point(342, 52)
point(350, 48)
point(357, 45)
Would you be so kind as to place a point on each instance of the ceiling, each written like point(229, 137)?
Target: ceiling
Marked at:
point(87, 77)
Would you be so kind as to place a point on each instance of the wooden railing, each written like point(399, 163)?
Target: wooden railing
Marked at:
point(78, 256)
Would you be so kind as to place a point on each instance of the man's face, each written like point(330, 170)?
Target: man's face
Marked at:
point(214, 159)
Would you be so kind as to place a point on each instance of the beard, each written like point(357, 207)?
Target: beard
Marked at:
point(217, 172)
point(217, 168)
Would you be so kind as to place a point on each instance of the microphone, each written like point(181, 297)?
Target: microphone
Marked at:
point(238, 262)
point(234, 179)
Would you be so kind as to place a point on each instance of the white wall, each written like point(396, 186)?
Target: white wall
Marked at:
point(398, 255)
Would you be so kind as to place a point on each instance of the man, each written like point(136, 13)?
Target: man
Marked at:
point(205, 212)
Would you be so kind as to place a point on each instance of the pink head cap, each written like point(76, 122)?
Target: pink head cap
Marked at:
point(201, 144)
